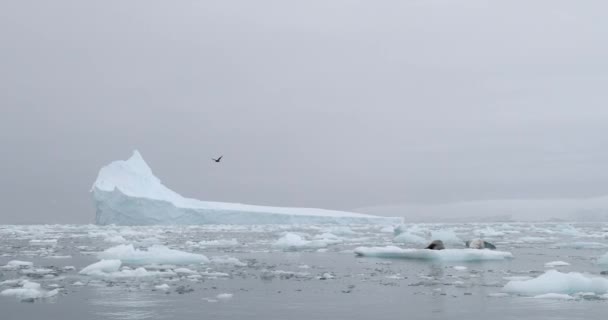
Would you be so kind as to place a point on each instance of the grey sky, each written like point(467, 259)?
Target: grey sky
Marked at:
point(335, 104)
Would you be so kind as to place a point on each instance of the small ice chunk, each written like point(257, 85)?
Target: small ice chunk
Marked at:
point(498, 295)
point(224, 296)
point(292, 241)
point(554, 264)
point(29, 290)
point(18, 264)
point(603, 259)
point(103, 266)
point(554, 296)
point(184, 271)
point(228, 260)
point(162, 287)
point(219, 242)
point(460, 268)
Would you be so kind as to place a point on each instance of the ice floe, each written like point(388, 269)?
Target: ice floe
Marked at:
point(554, 281)
point(441, 255)
point(155, 254)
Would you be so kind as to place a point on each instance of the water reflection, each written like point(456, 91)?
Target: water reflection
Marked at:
point(118, 302)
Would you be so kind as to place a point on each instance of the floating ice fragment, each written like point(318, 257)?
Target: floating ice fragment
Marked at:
point(441, 255)
point(224, 296)
point(554, 264)
point(103, 266)
point(554, 281)
point(29, 290)
point(554, 296)
point(155, 254)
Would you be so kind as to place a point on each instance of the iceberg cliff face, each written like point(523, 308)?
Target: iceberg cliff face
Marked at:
point(128, 193)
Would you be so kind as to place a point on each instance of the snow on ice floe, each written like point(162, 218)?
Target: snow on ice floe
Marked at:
point(155, 254)
point(440, 255)
point(554, 281)
point(29, 291)
point(128, 193)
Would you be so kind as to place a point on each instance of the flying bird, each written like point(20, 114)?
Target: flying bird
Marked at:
point(218, 159)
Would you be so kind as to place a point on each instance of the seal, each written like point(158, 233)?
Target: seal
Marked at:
point(436, 245)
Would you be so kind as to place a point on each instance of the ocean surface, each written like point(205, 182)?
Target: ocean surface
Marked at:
point(294, 272)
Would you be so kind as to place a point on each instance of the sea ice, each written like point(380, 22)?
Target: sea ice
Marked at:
point(554, 281)
point(425, 254)
point(603, 259)
point(128, 193)
point(155, 254)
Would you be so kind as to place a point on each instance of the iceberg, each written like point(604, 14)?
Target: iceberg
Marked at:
point(128, 193)
point(439, 255)
point(554, 281)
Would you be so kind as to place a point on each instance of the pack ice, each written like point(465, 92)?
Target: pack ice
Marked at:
point(128, 193)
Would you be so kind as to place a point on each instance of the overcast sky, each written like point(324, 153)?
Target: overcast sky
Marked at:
point(334, 104)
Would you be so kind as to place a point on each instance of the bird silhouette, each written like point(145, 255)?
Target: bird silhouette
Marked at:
point(218, 159)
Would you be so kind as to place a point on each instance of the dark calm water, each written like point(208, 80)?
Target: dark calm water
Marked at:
point(298, 283)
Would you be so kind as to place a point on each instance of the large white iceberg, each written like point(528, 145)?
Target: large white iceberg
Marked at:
point(128, 193)
point(426, 254)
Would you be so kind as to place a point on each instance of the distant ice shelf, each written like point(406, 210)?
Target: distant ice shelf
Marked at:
point(128, 193)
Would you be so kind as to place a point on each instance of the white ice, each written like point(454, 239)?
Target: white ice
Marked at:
point(441, 255)
point(17, 264)
point(155, 254)
point(103, 266)
point(29, 290)
point(554, 281)
point(293, 241)
point(554, 264)
point(128, 193)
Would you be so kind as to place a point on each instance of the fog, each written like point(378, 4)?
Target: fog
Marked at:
point(333, 104)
